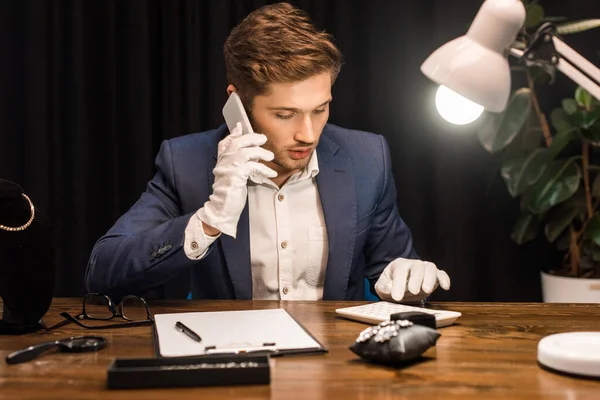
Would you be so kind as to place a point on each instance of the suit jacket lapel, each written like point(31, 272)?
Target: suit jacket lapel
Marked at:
point(338, 199)
point(237, 251)
point(237, 258)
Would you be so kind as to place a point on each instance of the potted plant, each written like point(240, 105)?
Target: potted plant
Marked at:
point(551, 164)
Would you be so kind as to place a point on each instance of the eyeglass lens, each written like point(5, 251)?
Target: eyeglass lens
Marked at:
point(98, 307)
point(134, 309)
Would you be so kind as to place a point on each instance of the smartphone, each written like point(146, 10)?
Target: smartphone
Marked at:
point(234, 112)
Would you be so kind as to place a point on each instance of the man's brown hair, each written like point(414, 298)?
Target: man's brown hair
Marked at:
point(277, 43)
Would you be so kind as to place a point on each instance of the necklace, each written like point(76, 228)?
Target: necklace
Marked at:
point(26, 225)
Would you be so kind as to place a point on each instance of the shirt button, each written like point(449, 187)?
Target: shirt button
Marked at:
point(284, 244)
point(286, 290)
point(194, 245)
point(280, 197)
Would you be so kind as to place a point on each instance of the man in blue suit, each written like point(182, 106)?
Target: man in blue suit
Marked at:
point(302, 210)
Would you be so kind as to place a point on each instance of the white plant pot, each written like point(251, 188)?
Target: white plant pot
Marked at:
point(561, 289)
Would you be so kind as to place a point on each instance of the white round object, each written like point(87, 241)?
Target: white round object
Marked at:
point(572, 352)
point(455, 108)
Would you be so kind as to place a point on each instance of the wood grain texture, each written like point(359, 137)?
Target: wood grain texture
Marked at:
point(489, 354)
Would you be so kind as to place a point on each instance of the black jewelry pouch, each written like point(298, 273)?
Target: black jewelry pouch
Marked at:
point(26, 263)
point(394, 343)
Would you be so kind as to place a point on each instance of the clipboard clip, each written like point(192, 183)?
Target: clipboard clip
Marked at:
point(242, 348)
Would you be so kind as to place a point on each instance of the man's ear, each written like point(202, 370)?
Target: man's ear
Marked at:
point(231, 89)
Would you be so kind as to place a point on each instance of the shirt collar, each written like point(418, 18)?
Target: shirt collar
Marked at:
point(310, 171)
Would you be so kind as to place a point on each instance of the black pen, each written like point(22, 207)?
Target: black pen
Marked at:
point(182, 328)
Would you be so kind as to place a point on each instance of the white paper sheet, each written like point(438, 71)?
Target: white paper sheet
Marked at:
point(231, 331)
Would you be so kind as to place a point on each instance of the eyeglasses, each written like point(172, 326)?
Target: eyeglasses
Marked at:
point(99, 307)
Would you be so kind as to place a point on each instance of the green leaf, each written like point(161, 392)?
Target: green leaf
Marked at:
point(559, 182)
point(561, 140)
point(525, 229)
point(579, 202)
point(527, 140)
point(570, 106)
point(522, 172)
point(592, 231)
point(591, 135)
point(502, 128)
point(560, 120)
point(577, 26)
point(585, 99)
point(559, 219)
point(585, 119)
point(535, 13)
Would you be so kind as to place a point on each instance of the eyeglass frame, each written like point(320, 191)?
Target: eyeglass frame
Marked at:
point(116, 312)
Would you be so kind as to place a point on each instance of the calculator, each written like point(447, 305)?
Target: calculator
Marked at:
point(375, 313)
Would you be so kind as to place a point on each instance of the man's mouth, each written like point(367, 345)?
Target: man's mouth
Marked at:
point(301, 153)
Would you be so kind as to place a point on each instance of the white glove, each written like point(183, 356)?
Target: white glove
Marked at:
point(237, 159)
point(422, 278)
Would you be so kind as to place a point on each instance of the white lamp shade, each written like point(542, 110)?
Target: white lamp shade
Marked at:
point(475, 65)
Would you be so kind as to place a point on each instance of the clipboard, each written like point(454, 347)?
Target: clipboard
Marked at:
point(274, 332)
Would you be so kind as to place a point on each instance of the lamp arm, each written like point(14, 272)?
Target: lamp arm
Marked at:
point(566, 54)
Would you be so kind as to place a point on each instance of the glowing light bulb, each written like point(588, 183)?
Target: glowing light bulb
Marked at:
point(455, 108)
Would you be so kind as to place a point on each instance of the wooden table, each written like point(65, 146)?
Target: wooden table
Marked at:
point(489, 354)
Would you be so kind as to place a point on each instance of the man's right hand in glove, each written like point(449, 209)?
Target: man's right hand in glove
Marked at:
point(238, 158)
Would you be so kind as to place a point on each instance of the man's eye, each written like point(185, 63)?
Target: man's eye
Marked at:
point(322, 110)
point(284, 116)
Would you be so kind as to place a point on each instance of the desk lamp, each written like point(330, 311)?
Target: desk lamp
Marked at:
point(473, 70)
point(474, 75)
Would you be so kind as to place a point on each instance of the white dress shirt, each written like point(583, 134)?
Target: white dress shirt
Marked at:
point(288, 237)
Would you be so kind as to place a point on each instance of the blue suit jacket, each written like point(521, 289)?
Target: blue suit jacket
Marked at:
point(144, 248)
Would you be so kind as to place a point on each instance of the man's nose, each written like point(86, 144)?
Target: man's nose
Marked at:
point(306, 133)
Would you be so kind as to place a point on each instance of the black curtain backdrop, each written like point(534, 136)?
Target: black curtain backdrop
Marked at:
point(89, 89)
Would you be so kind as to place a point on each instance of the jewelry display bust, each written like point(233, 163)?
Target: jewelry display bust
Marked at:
point(26, 261)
